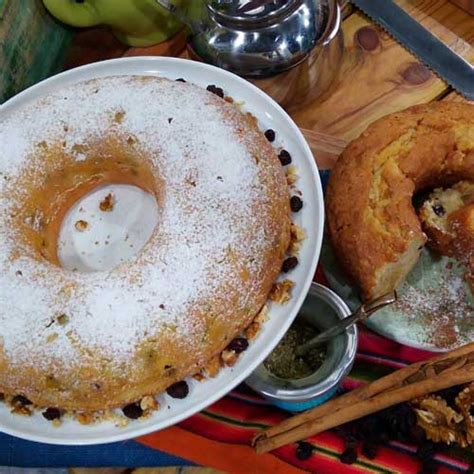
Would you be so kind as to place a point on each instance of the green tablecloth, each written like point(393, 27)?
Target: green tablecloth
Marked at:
point(32, 45)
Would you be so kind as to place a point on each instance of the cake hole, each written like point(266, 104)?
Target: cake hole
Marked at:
point(112, 237)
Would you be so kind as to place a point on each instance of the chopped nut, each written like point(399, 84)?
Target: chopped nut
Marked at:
point(281, 291)
point(229, 357)
point(297, 236)
point(262, 316)
point(21, 405)
point(199, 377)
point(149, 403)
point(291, 175)
point(23, 411)
point(252, 331)
point(465, 402)
point(107, 204)
point(57, 422)
point(256, 325)
point(119, 421)
point(439, 421)
point(81, 225)
point(213, 367)
point(85, 418)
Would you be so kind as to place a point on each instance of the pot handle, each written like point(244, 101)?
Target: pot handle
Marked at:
point(334, 23)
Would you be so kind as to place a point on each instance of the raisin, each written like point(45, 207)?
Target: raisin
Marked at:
point(429, 467)
point(52, 414)
point(425, 451)
point(289, 264)
point(296, 203)
point(438, 209)
point(304, 450)
point(238, 345)
point(270, 135)
point(349, 456)
point(284, 157)
point(449, 394)
point(215, 90)
point(369, 450)
point(133, 411)
point(178, 390)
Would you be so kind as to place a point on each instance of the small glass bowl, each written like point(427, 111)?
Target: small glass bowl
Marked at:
point(322, 308)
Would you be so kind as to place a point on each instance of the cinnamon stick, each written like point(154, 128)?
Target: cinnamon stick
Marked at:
point(392, 380)
point(450, 369)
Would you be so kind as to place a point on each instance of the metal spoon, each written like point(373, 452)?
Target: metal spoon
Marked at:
point(362, 313)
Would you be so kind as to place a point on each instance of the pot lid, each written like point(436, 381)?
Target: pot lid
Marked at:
point(259, 38)
point(251, 10)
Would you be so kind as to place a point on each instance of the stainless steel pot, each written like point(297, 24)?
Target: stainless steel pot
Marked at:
point(290, 48)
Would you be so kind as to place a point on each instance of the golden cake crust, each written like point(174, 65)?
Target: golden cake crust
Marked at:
point(79, 362)
point(372, 224)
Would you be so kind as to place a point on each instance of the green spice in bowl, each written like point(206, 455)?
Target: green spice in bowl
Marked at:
point(283, 361)
point(297, 383)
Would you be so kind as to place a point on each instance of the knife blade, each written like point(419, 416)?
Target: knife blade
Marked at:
point(451, 67)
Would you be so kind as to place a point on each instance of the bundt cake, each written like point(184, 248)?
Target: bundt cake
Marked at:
point(101, 339)
point(372, 223)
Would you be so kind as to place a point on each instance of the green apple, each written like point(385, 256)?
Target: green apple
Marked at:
point(135, 22)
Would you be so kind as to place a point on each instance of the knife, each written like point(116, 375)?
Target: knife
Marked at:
point(451, 67)
point(362, 313)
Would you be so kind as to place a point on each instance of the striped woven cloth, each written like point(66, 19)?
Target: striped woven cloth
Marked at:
point(219, 436)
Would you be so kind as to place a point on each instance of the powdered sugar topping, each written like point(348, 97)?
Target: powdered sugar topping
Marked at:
point(213, 185)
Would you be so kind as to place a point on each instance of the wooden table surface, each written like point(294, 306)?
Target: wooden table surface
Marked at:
point(377, 76)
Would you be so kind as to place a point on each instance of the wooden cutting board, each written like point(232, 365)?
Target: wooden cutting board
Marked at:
point(378, 76)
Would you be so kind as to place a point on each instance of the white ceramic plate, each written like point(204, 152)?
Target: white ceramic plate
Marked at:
point(311, 218)
point(435, 307)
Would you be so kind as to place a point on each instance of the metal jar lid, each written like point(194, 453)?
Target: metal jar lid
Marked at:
point(259, 38)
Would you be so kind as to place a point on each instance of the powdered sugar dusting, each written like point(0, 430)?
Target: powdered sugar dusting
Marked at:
point(441, 311)
point(435, 307)
point(213, 185)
